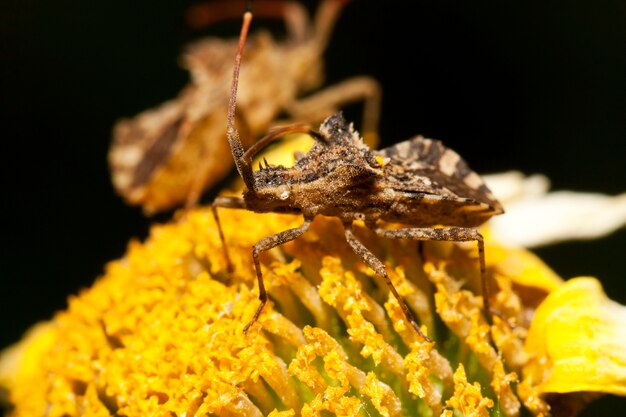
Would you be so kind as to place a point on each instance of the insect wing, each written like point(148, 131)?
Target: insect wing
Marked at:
point(141, 145)
point(421, 165)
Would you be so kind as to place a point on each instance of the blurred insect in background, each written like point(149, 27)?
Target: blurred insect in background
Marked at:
point(167, 156)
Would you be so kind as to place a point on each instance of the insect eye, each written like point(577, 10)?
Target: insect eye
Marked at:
point(284, 193)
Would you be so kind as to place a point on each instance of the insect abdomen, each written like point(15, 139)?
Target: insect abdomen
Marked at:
point(425, 210)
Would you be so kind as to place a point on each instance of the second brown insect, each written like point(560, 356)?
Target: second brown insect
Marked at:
point(168, 156)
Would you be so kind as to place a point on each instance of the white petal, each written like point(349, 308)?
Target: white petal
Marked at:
point(534, 217)
point(512, 186)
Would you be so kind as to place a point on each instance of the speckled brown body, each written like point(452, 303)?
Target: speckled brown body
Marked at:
point(419, 183)
point(406, 183)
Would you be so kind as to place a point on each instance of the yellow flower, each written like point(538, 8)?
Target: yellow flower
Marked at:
point(577, 342)
point(161, 333)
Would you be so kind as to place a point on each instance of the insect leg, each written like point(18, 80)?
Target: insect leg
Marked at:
point(267, 244)
point(317, 106)
point(227, 202)
point(453, 234)
point(325, 18)
point(420, 251)
point(373, 262)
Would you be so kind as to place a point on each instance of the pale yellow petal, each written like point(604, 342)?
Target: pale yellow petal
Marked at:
point(577, 341)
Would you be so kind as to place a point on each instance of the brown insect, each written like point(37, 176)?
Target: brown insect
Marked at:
point(167, 156)
point(418, 182)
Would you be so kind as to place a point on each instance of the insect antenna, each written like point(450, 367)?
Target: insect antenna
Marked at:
point(236, 147)
point(275, 134)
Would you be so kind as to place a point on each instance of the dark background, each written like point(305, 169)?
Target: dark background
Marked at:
point(537, 86)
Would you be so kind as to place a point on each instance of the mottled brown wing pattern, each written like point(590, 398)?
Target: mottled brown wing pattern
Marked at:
point(141, 145)
point(426, 166)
